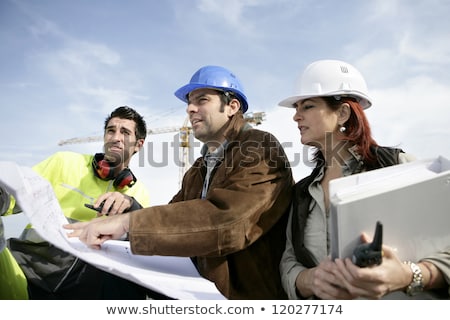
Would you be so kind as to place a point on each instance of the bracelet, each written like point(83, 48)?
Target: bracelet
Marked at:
point(416, 284)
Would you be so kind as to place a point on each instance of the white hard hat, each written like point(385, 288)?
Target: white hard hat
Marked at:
point(330, 78)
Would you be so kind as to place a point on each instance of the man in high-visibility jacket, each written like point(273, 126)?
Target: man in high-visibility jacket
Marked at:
point(13, 284)
point(102, 181)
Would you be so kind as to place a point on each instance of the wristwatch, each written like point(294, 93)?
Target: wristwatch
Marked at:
point(416, 285)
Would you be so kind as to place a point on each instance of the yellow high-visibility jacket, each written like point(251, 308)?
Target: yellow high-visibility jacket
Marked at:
point(73, 180)
point(74, 183)
point(13, 284)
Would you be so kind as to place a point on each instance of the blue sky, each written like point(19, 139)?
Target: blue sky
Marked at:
point(66, 64)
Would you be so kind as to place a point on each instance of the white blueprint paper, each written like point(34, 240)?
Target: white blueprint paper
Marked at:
point(175, 277)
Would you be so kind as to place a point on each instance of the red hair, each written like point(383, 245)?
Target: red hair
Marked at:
point(357, 127)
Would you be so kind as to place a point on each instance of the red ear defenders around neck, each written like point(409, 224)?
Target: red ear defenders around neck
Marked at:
point(105, 171)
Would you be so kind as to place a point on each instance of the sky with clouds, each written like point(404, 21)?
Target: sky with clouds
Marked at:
point(66, 64)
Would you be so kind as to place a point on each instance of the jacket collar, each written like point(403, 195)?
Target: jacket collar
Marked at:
point(235, 125)
point(352, 165)
point(216, 154)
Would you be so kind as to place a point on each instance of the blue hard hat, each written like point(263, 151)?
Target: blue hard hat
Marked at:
point(214, 77)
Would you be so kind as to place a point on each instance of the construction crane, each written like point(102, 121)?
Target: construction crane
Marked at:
point(185, 138)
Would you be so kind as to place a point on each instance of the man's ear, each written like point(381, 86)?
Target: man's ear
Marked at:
point(344, 113)
point(234, 107)
point(139, 144)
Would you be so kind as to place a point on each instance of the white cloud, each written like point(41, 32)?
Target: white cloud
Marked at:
point(85, 54)
point(77, 63)
point(382, 9)
point(414, 114)
point(433, 49)
point(43, 27)
point(231, 11)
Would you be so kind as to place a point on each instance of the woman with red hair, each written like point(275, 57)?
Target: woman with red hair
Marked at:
point(330, 103)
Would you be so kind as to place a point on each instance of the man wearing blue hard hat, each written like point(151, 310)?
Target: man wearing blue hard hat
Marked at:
point(230, 214)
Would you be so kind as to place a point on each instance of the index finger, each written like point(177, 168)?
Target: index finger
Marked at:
point(102, 198)
point(75, 226)
point(74, 234)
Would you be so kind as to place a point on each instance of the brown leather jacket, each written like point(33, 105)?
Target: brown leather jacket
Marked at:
point(236, 235)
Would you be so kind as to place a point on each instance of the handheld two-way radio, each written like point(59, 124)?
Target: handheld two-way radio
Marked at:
point(367, 254)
